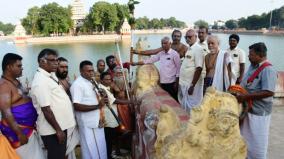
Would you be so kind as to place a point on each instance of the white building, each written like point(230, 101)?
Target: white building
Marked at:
point(78, 13)
point(125, 28)
point(19, 30)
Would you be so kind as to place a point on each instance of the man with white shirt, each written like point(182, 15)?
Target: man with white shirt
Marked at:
point(202, 36)
point(238, 57)
point(190, 90)
point(89, 114)
point(54, 108)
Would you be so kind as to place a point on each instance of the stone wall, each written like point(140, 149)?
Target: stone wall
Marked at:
point(279, 92)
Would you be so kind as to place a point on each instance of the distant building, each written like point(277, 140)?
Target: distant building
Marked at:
point(19, 30)
point(125, 28)
point(78, 13)
point(219, 24)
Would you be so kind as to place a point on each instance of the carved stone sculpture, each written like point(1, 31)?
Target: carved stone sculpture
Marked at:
point(211, 133)
point(152, 100)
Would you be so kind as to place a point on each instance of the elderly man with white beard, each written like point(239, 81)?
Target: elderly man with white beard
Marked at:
point(218, 66)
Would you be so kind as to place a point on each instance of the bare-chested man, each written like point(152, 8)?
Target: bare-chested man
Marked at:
point(62, 74)
point(18, 113)
point(72, 133)
point(218, 66)
point(178, 46)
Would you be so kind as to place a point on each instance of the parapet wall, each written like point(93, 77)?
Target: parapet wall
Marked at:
point(279, 91)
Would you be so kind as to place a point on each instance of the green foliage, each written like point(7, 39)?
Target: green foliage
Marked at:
point(49, 19)
point(231, 24)
point(201, 23)
point(122, 13)
point(54, 19)
point(104, 16)
point(145, 23)
point(255, 22)
point(142, 23)
point(30, 22)
point(7, 28)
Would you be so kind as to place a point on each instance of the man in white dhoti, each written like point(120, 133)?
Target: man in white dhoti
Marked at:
point(190, 92)
point(218, 66)
point(88, 112)
point(259, 81)
point(18, 113)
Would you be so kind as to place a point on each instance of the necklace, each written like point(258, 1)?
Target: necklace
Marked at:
point(18, 86)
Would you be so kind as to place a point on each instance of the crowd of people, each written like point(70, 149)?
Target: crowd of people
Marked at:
point(49, 119)
point(187, 71)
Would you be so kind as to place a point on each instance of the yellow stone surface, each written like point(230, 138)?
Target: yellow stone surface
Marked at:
point(147, 78)
point(211, 133)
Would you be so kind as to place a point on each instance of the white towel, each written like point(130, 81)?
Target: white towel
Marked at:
point(221, 76)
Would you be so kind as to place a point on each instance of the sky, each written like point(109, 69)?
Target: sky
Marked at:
point(189, 11)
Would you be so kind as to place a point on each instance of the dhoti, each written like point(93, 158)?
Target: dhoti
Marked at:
point(255, 130)
point(31, 150)
point(93, 144)
point(6, 150)
point(73, 140)
point(189, 101)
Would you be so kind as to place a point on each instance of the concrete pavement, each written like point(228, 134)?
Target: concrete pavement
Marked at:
point(276, 135)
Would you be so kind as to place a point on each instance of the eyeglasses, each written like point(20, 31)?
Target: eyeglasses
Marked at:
point(52, 60)
point(188, 37)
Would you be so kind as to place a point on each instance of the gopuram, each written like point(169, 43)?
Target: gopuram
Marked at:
point(165, 131)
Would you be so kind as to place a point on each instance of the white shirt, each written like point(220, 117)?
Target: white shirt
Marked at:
point(204, 45)
point(238, 57)
point(46, 91)
point(194, 58)
point(83, 93)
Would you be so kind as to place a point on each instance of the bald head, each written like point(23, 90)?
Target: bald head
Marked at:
point(213, 43)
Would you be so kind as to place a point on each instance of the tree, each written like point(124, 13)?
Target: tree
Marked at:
point(172, 22)
point(30, 22)
point(231, 24)
point(104, 16)
point(154, 23)
point(122, 13)
point(7, 28)
point(54, 19)
point(142, 23)
point(201, 23)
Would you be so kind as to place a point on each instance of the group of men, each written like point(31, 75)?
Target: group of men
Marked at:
point(49, 119)
point(187, 71)
point(61, 113)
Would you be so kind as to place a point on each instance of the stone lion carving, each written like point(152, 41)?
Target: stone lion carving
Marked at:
point(154, 104)
point(211, 133)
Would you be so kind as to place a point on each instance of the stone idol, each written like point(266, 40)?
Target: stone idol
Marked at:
point(212, 131)
point(165, 131)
